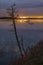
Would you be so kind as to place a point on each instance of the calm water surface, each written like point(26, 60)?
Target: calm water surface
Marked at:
point(8, 45)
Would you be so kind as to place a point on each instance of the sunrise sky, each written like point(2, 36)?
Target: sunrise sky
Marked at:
point(22, 3)
point(26, 7)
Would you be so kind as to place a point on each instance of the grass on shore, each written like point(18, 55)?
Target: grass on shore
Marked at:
point(34, 56)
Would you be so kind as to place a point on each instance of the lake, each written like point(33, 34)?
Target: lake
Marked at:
point(32, 33)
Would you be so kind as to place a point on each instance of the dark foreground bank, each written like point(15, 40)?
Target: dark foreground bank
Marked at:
point(34, 56)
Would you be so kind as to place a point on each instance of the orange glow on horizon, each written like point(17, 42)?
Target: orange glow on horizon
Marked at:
point(22, 20)
point(29, 20)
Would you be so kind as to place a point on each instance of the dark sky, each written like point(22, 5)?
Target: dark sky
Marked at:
point(21, 3)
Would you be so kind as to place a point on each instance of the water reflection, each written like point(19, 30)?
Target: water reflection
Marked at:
point(8, 45)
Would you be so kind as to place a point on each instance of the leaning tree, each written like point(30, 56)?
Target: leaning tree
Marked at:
point(13, 14)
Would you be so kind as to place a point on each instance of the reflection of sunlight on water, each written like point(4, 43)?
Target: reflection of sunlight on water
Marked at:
point(9, 25)
point(8, 36)
point(8, 44)
point(37, 21)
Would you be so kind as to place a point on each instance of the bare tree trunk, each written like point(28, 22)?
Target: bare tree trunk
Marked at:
point(16, 33)
point(23, 45)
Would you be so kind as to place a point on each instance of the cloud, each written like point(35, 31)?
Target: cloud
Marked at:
point(29, 5)
point(21, 3)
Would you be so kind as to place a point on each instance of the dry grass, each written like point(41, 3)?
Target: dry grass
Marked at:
point(34, 56)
